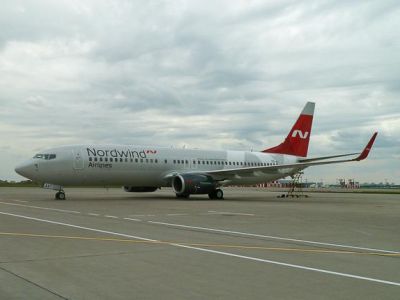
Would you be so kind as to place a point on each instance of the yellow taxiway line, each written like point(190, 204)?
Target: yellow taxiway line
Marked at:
point(243, 247)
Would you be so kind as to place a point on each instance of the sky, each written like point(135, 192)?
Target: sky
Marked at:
point(202, 74)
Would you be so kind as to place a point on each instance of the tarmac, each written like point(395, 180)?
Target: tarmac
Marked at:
point(108, 244)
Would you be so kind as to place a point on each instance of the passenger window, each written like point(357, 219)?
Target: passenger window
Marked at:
point(95, 159)
point(136, 160)
point(90, 159)
point(156, 161)
point(151, 160)
point(100, 158)
point(111, 159)
point(166, 161)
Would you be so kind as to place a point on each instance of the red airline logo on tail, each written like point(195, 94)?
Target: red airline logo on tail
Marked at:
point(300, 134)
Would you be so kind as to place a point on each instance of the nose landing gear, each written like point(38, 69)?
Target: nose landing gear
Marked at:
point(60, 195)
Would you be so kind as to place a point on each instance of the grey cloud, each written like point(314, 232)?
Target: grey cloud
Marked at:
point(231, 75)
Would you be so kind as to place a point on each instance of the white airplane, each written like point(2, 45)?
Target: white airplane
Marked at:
point(187, 171)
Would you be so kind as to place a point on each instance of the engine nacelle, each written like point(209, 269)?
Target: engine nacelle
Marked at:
point(140, 189)
point(187, 184)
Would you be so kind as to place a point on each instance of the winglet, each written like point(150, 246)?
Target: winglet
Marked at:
point(367, 149)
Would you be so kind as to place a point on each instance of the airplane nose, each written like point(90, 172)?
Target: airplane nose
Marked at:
point(25, 169)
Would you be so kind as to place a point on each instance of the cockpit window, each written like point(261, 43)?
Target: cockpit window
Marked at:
point(45, 156)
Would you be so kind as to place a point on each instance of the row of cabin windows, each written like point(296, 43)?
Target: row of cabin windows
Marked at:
point(116, 159)
point(177, 161)
point(230, 163)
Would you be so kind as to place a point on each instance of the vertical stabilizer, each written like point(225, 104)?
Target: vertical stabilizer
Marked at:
point(296, 143)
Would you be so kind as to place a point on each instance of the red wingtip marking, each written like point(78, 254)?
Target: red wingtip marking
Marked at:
point(367, 148)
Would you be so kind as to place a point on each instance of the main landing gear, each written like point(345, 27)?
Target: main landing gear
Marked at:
point(60, 195)
point(216, 194)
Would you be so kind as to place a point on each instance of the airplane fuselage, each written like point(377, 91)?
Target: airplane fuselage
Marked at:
point(145, 166)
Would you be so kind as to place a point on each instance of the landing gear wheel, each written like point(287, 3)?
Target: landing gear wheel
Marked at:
point(216, 194)
point(219, 194)
point(60, 195)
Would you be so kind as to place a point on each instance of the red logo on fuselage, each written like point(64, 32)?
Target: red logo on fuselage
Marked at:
point(150, 151)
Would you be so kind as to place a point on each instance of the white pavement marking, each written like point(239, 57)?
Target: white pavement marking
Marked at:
point(22, 201)
point(44, 208)
point(93, 214)
point(213, 212)
point(176, 215)
point(213, 251)
point(112, 217)
point(130, 219)
point(275, 237)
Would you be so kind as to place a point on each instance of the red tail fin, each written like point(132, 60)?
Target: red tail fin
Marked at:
point(296, 143)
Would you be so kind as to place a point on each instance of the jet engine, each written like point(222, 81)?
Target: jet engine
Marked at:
point(140, 189)
point(187, 184)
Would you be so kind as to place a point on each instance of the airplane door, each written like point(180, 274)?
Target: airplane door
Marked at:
point(78, 162)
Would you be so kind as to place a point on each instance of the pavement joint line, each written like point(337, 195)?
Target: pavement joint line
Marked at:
point(33, 283)
point(44, 208)
point(301, 267)
point(275, 237)
point(247, 247)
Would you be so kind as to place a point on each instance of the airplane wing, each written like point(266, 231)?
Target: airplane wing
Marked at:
point(254, 171)
point(226, 174)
